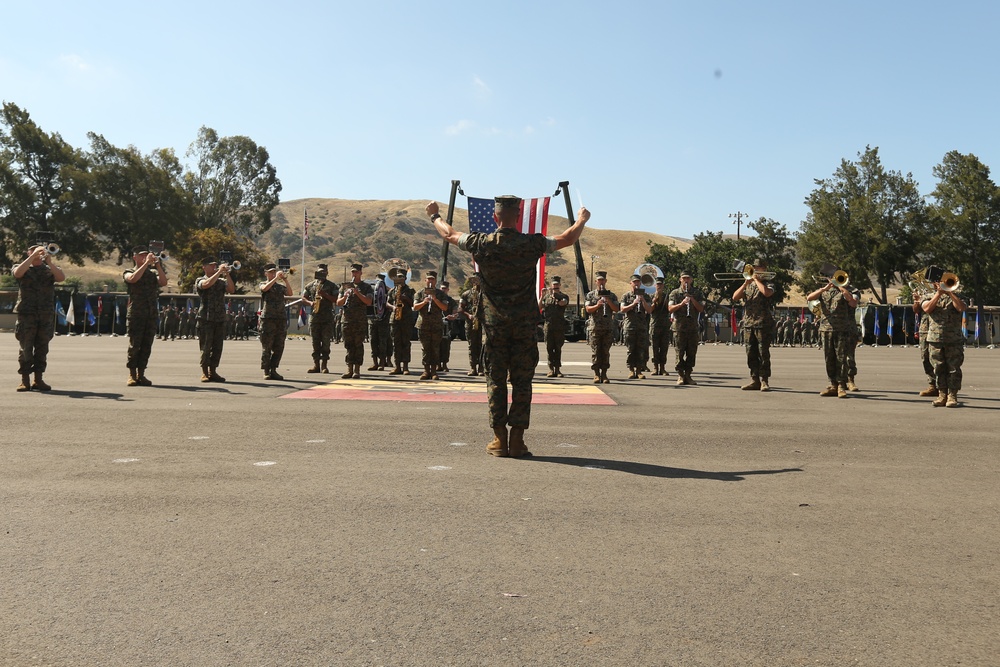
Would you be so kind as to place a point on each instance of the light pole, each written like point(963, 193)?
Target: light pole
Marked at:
point(592, 258)
point(738, 219)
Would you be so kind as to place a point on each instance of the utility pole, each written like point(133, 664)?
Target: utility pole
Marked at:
point(737, 220)
point(592, 258)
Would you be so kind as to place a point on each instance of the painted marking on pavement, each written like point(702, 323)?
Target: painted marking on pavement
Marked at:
point(443, 391)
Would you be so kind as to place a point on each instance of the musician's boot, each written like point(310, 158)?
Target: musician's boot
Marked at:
point(952, 399)
point(357, 372)
point(324, 368)
point(374, 366)
point(850, 384)
point(597, 377)
point(764, 386)
point(639, 372)
point(141, 379)
point(842, 390)
point(406, 368)
point(215, 377)
point(634, 374)
point(315, 368)
point(275, 375)
point(498, 445)
point(604, 376)
point(25, 383)
point(688, 379)
point(551, 373)
point(516, 447)
point(657, 369)
point(133, 377)
point(680, 379)
point(829, 391)
point(426, 375)
point(942, 399)
point(398, 370)
point(931, 390)
point(559, 372)
point(445, 369)
point(754, 385)
point(349, 373)
point(39, 383)
point(206, 375)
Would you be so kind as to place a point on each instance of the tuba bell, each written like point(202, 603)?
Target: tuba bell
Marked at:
point(648, 274)
point(397, 270)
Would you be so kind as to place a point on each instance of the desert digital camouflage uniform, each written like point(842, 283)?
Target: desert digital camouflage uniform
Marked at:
point(355, 322)
point(35, 323)
point(946, 345)
point(507, 261)
point(837, 330)
point(554, 313)
point(321, 317)
point(211, 321)
point(635, 332)
point(430, 322)
point(854, 337)
point(451, 308)
point(601, 326)
point(273, 326)
point(758, 323)
point(469, 304)
point(659, 329)
point(141, 316)
point(401, 327)
point(686, 332)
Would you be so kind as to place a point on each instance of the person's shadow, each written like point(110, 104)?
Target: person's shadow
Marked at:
point(650, 470)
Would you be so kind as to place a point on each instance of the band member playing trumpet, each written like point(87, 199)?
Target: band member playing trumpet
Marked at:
point(468, 308)
point(400, 302)
point(685, 304)
point(273, 320)
point(355, 300)
point(430, 304)
point(758, 323)
point(321, 296)
point(212, 288)
point(944, 309)
point(143, 282)
point(554, 302)
point(836, 303)
point(601, 305)
point(35, 325)
point(636, 309)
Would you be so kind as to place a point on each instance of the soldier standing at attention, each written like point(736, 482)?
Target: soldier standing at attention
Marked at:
point(321, 296)
point(355, 300)
point(507, 261)
point(450, 315)
point(554, 304)
point(758, 322)
point(378, 327)
point(601, 304)
point(273, 320)
point(212, 288)
point(836, 330)
point(429, 302)
point(685, 303)
point(400, 302)
point(143, 282)
point(947, 344)
point(36, 279)
point(468, 308)
point(659, 329)
point(635, 329)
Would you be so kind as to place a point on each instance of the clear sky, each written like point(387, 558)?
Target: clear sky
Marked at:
point(664, 116)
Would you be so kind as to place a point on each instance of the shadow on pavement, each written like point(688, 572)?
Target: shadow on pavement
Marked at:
point(650, 470)
point(87, 394)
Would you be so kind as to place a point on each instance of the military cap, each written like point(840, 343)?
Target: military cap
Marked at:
point(686, 274)
point(602, 274)
point(556, 280)
point(321, 267)
point(432, 274)
point(759, 261)
point(659, 280)
point(270, 266)
point(507, 201)
point(139, 249)
point(209, 260)
point(635, 276)
point(355, 267)
point(444, 283)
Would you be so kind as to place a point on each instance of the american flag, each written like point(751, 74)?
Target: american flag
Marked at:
point(305, 227)
point(534, 220)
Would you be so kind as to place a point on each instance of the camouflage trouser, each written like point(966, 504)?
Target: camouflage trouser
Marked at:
point(947, 359)
point(758, 344)
point(430, 347)
point(600, 348)
point(211, 336)
point(354, 342)
point(378, 338)
point(925, 360)
point(660, 339)
point(272, 342)
point(444, 356)
point(321, 334)
point(637, 342)
point(510, 351)
point(33, 331)
point(685, 351)
point(141, 334)
point(475, 338)
point(852, 348)
point(555, 337)
point(401, 334)
point(835, 350)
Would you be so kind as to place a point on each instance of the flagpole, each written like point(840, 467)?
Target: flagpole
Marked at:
point(581, 269)
point(450, 218)
point(305, 231)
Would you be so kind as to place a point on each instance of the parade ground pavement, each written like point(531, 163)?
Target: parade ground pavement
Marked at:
point(191, 524)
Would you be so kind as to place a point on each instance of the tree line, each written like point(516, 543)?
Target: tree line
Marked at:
point(97, 204)
point(874, 224)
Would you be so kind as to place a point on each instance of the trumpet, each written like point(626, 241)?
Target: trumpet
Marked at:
point(52, 249)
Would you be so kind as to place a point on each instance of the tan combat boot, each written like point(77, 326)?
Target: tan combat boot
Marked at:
point(315, 368)
point(829, 391)
point(39, 383)
point(324, 368)
point(931, 390)
point(754, 385)
point(633, 375)
point(764, 386)
point(952, 400)
point(942, 399)
point(25, 383)
point(551, 373)
point(141, 379)
point(498, 445)
point(517, 449)
point(133, 378)
point(842, 391)
point(850, 384)
point(215, 377)
point(206, 375)
point(426, 375)
point(559, 372)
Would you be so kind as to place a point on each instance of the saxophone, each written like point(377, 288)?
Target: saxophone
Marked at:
point(397, 312)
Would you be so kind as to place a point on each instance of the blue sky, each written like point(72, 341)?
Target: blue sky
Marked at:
point(665, 117)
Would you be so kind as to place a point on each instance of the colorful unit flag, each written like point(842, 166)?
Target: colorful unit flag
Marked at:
point(89, 312)
point(890, 325)
point(60, 313)
point(878, 329)
point(305, 227)
point(965, 328)
point(534, 220)
point(732, 320)
point(71, 315)
point(302, 317)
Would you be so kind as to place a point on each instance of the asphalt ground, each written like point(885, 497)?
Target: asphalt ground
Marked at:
point(219, 524)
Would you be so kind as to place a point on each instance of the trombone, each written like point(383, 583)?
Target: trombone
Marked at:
point(746, 272)
point(838, 279)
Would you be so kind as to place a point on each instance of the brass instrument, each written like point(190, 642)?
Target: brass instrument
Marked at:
point(156, 248)
point(838, 279)
point(745, 271)
point(648, 274)
point(399, 272)
point(814, 308)
point(949, 282)
point(52, 249)
point(226, 262)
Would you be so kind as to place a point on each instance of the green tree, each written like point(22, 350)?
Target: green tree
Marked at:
point(864, 219)
point(200, 244)
point(774, 244)
point(964, 227)
point(713, 253)
point(39, 176)
point(233, 185)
